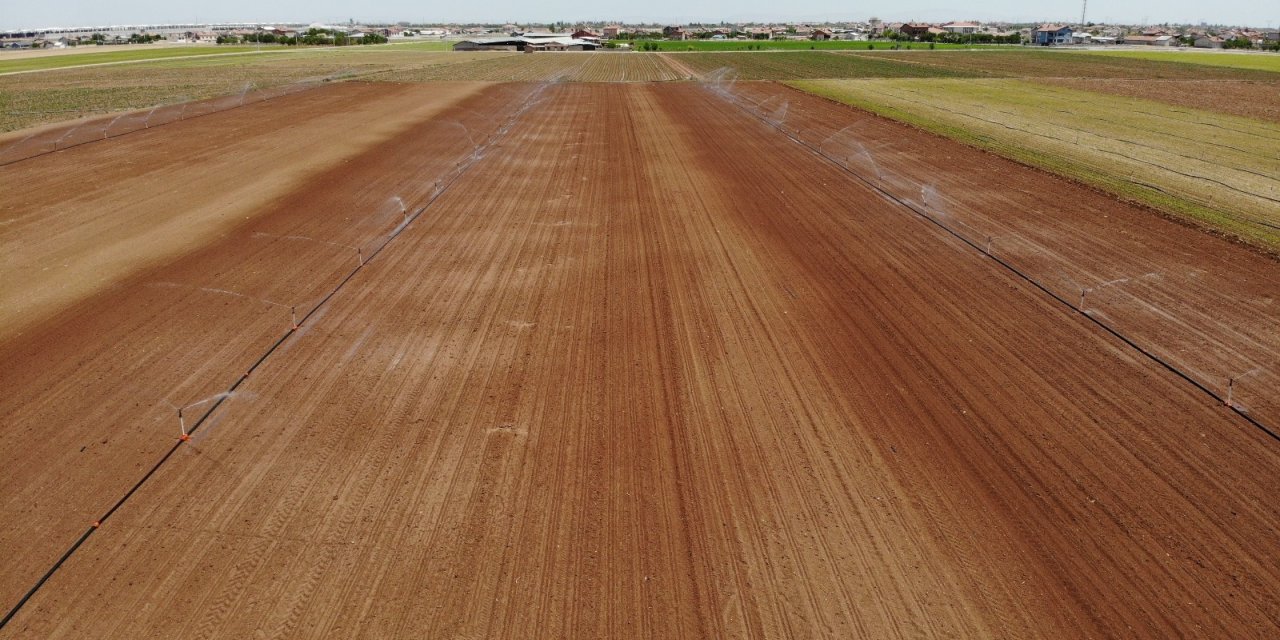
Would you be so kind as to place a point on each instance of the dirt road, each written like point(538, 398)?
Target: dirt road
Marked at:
point(647, 369)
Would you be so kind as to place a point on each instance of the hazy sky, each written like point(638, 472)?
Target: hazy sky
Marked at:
point(61, 13)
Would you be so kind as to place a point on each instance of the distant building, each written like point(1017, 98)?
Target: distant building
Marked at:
point(612, 31)
point(1208, 42)
point(1154, 41)
point(1051, 34)
point(527, 43)
point(913, 30)
point(961, 27)
point(821, 34)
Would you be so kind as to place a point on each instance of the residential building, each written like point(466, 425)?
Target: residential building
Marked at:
point(1052, 34)
point(961, 27)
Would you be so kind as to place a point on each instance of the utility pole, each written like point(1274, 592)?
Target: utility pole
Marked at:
point(1084, 4)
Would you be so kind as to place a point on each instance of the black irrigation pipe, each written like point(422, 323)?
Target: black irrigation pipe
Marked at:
point(1016, 271)
point(459, 170)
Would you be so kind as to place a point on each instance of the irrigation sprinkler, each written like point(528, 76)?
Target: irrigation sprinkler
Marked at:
point(823, 145)
point(929, 197)
point(182, 427)
point(937, 207)
point(475, 147)
point(1109, 283)
point(64, 136)
point(107, 130)
point(874, 165)
point(1231, 384)
point(245, 92)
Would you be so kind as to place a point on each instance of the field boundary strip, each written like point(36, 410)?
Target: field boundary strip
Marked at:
point(1242, 221)
point(1242, 217)
point(1011, 268)
point(270, 94)
point(195, 56)
point(442, 186)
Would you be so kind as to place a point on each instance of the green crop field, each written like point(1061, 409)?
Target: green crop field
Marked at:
point(791, 45)
point(1217, 170)
point(85, 55)
point(1039, 63)
point(790, 65)
point(1260, 61)
point(29, 99)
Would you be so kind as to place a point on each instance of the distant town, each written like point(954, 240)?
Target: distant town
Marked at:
point(593, 35)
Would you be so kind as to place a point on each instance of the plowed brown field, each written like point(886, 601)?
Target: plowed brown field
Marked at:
point(1248, 98)
point(647, 368)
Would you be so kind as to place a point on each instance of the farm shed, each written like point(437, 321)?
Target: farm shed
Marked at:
point(1155, 41)
point(527, 43)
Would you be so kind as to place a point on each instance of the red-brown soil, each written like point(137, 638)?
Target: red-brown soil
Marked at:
point(647, 369)
point(92, 390)
point(71, 228)
point(1207, 309)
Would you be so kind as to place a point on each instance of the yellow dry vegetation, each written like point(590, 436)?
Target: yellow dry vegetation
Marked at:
point(1218, 170)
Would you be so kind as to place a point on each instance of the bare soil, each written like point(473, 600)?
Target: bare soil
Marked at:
point(647, 369)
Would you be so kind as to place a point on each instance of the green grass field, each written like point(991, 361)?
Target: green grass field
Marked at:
point(28, 99)
point(1217, 170)
point(1032, 62)
point(1253, 60)
point(793, 65)
point(144, 53)
point(792, 45)
point(124, 53)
